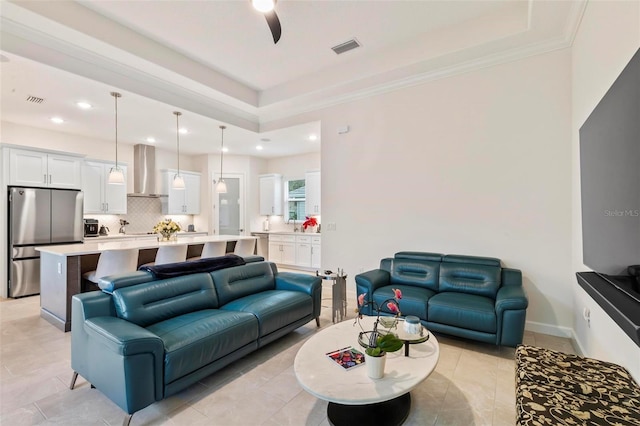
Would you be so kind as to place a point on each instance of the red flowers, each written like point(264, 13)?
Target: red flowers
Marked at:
point(311, 221)
point(361, 299)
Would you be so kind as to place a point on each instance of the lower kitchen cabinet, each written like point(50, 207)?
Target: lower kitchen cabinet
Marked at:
point(282, 249)
point(316, 243)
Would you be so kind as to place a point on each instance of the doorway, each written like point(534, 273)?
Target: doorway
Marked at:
point(229, 207)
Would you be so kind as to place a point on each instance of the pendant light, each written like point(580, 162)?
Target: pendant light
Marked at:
point(178, 181)
point(221, 186)
point(116, 176)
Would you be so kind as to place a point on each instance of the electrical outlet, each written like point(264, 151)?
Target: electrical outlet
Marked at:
point(331, 226)
point(59, 268)
point(586, 314)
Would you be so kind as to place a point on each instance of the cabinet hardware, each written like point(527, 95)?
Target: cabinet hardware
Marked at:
point(49, 178)
point(45, 178)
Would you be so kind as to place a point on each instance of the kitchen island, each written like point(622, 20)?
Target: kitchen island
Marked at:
point(62, 266)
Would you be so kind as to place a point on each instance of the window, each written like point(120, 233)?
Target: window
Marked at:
point(295, 200)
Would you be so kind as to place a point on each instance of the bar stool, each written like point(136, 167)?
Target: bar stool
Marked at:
point(170, 253)
point(245, 247)
point(112, 262)
point(212, 249)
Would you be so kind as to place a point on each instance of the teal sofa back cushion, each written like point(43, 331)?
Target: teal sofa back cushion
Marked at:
point(234, 283)
point(156, 301)
point(412, 271)
point(471, 275)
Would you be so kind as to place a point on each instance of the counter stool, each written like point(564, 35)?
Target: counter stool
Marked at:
point(245, 247)
point(111, 262)
point(170, 253)
point(212, 249)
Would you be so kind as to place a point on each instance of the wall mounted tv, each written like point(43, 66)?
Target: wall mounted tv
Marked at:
point(610, 182)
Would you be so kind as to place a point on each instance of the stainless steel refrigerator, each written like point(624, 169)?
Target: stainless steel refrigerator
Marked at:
point(39, 217)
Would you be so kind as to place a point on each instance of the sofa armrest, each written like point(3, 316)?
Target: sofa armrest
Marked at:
point(512, 297)
point(368, 282)
point(511, 277)
point(511, 311)
point(302, 282)
point(123, 337)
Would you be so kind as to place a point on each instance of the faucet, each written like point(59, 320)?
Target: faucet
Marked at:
point(295, 227)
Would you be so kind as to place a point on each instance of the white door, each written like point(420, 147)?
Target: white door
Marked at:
point(115, 196)
point(93, 185)
point(229, 207)
point(64, 172)
point(28, 168)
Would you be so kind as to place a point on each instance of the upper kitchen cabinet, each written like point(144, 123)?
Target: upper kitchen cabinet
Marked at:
point(312, 196)
point(271, 195)
point(181, 201)
point(44, 169)
point(100, 197)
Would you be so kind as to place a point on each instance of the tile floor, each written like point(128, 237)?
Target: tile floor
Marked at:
point(473, 383)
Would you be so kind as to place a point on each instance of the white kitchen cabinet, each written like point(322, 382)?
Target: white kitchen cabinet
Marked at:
point(312, 197)
point(282, 249)
point(99, 196)
point(44, 169)
point(303, 250)
point(181, 201)
point(316, 252)
point(271, 199)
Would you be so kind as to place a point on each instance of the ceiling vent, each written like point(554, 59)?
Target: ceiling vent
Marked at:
point(35, 99)
point(346, 46)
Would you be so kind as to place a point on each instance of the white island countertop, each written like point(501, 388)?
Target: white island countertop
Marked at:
point(91, 247)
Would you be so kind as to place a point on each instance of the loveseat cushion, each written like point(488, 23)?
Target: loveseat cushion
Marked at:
point(412, 271)
point(196, 339)
point(274, 309)
point(463, 310)
point(156, 301)
point(469, 278)
point(234, 283)
point(414, 299)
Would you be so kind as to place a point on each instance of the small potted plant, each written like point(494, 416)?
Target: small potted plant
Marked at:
point(309, 223)
point(377, 343)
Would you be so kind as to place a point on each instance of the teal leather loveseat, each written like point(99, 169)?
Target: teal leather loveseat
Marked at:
point(143, 339)
point(466, 296)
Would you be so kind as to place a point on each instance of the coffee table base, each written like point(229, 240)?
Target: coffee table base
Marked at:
point(389, 413)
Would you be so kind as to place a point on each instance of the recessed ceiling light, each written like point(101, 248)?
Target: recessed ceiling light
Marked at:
point(57, 120)
point(259, 147)
point(151, 139)
point(313, 137)
point(83, 105)
point(183, 131)
point(225, 149)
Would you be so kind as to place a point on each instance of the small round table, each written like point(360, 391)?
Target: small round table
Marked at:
point(352, 394)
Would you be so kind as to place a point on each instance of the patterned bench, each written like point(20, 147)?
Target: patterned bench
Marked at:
point(554, 388)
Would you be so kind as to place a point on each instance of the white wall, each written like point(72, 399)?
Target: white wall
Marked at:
point(478, 163)
point(608, 36)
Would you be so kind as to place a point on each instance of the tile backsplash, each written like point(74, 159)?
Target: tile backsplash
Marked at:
point(142, 214)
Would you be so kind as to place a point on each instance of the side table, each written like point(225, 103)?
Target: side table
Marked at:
point(338, 293)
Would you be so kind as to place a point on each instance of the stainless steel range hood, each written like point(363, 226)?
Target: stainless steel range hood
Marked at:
point(144, 172)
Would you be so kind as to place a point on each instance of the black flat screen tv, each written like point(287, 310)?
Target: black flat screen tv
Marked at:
point(610, 182)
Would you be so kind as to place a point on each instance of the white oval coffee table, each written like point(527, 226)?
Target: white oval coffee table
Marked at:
point(353, 397)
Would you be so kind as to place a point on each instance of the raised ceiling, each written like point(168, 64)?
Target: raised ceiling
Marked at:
point(217, 60)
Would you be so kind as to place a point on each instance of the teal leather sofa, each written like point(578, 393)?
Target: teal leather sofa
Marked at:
point(465, 296)
point(143, 339)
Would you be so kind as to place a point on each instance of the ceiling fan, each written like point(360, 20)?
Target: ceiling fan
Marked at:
point(267, 8)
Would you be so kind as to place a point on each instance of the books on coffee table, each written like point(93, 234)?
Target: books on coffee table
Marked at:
point(347, 358)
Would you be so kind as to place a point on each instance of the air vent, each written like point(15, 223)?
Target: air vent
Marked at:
point(35, 99)
point(346, 46)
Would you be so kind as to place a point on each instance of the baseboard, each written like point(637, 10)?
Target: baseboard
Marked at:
point(552, 330)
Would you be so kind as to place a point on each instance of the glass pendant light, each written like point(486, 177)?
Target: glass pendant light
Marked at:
point(221, 186)
point(178, 181)
point(116, 175)
point(263, 5)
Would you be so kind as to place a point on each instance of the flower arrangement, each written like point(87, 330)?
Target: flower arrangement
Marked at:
point(309, 222)
point(166, 228)
point(380, 343)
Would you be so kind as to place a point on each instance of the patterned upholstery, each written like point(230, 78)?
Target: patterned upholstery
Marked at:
point(561, 389)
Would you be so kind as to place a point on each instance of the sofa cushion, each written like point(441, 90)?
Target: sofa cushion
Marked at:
point(414, 299)
point(410, 271)
point(274, 309)
point(418, 255)
point(463, 310)
point(156, 301)
point(196, 339)
point(470, 278)
point(234, 283)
